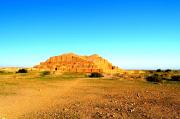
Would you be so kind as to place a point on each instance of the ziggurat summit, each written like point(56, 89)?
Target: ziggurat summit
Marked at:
point(71, 62)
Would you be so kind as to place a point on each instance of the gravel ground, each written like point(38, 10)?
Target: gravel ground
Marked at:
point(113, 99)
point(25, 97)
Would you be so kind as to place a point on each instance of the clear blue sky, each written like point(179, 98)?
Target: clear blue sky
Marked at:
point(143, 34)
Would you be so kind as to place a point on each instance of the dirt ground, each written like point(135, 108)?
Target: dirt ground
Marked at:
point(26, 98)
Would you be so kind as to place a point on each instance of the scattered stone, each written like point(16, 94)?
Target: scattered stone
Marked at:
point(65, 109)
point(108, 114)
point(132, 110)
point(138, 95)
point(117, 109)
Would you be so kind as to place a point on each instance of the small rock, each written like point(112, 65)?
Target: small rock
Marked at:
point(132, 110)
point(108, 114)
point(100, 113)
point(64, 109)
point(106, 108)
point(138, 95)
point(96, 108)
point(113, 115)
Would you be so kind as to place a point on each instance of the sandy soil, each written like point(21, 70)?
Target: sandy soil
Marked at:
point(29, 96)
point(87, 98)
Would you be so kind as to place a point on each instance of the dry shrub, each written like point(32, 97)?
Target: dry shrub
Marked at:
point(175, 78)
point(154, 78)
point(96, 75)
point(22, 71)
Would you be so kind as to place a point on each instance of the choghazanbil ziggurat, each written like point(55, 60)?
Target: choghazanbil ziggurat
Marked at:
point(71, 62)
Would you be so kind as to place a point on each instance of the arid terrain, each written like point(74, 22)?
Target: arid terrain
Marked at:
point(89, 59)
point(32, 96)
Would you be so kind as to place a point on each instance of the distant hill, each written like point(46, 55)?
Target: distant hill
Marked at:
point(10, 69)
point(71, 62)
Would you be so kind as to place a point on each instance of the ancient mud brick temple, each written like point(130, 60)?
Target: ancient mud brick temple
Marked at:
point(71, 62)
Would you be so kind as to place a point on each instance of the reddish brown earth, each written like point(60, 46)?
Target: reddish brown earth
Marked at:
point(57, 98)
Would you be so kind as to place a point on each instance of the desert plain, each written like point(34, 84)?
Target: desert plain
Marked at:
point(75, 96)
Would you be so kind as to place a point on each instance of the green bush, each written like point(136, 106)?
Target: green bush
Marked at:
point(175, 78)
point(168, 70)
point(44, 73)
point(22, 71)
point(158, 70)
point(154, 78)
point(96, 75)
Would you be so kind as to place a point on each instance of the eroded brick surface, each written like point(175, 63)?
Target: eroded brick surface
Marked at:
point(71, 62)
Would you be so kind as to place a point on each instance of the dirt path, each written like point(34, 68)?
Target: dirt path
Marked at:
point(37, 97)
